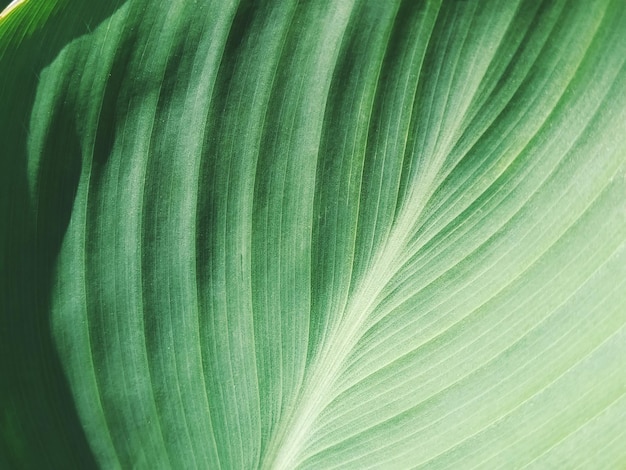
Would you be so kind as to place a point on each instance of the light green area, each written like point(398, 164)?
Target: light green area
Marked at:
point(337, 234)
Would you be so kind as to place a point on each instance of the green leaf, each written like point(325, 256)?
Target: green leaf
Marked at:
point(313, 234)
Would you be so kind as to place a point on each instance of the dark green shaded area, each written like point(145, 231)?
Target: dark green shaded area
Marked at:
point(39, 427)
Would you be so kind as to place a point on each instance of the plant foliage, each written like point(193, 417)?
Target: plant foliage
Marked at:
point(313, 234)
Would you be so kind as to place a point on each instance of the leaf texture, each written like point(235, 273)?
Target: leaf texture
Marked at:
point(327, 234)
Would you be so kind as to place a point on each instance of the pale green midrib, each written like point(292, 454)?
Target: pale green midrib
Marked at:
point(284, 447)
point(510, 375)
point(539, 256)
point(505, 286)
point(361, 105)
point(365, 96)
point(315, 393)
point(420, 243)
point(400, 301)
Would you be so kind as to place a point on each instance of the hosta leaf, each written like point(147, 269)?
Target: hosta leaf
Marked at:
point(314, 234)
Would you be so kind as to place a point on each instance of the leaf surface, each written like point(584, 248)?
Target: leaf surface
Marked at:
point(322, 234)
